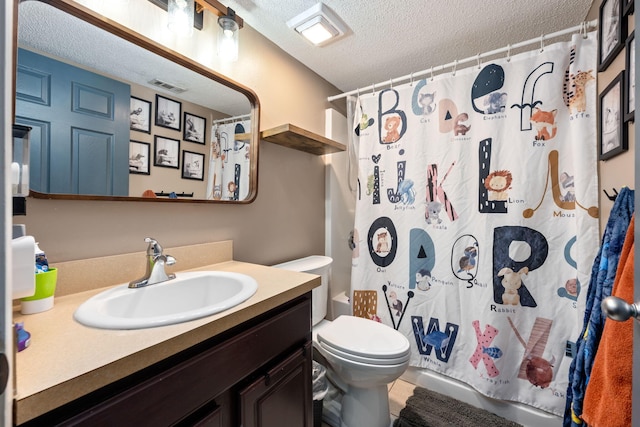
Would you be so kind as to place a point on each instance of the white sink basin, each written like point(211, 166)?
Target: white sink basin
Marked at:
point(191, 295)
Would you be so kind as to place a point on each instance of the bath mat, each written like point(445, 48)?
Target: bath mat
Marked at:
point(427, 408)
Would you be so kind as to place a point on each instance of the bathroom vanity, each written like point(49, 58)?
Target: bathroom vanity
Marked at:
point(249, 365)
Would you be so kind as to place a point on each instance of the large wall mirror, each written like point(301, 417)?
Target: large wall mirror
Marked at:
point(117, 116)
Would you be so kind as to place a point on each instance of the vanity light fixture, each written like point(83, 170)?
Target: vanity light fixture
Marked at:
point(228, 36)
point(318, 24)
point(181, 17)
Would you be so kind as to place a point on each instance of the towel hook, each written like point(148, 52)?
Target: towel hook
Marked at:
point(455, 64)
point(541, 42)
point(509, 52)
point(612, 198)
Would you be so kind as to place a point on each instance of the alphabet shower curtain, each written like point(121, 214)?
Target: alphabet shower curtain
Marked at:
point(228, 177)
point(476, 218)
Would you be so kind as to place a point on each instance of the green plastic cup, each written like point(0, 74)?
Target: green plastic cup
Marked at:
point(42, 300)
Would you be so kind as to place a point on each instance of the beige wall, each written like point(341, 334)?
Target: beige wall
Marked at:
point(618, 171)
point(285, 221)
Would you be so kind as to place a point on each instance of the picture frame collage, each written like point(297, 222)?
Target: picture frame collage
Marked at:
point(617, 100)
point(166, 149)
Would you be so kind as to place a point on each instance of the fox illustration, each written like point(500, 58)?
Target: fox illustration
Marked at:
point(545, 123)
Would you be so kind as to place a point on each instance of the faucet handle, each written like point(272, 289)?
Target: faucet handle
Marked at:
point(154, 247)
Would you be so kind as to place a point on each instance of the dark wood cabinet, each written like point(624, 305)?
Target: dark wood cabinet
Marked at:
point(256, 374)
point(274, 399)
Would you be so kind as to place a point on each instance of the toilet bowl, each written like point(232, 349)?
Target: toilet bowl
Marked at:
point(365, 355)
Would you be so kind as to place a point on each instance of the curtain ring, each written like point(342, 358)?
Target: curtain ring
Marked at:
point(358, 92)
point(585, 30)
point(411, 79)
point(432, 73)
point(373, 92)
point(455, 64)
point(541, 43)
point(478, 60)
point(509, 53)
point(390, 83)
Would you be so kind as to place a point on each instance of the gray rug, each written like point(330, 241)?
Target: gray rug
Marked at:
point(427, 408)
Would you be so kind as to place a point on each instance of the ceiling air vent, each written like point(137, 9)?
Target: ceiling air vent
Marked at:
point(167, 86)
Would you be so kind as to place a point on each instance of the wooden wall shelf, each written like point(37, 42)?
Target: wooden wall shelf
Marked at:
point(294, 137)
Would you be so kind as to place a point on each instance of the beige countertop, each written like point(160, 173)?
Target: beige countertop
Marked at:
point(67, 360)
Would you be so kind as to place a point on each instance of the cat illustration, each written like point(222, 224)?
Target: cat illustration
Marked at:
point(428, 102)
point(545, 123)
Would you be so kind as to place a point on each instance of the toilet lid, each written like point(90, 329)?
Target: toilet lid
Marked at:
point(363, 359)
point(363, 337)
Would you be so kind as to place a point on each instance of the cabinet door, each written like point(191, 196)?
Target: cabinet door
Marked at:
point(282, 396)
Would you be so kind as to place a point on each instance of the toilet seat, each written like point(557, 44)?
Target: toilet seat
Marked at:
point(365, 341)
point(364, 359)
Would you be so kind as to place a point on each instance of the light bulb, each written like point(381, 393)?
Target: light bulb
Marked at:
point(228, 39)
point(181, 17)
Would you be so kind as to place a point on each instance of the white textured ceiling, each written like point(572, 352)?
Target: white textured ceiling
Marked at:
point(393, 38)
point(54, 33)
point(385, 39)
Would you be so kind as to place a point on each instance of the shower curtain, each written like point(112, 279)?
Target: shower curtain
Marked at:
point(476, 218)
point(228, 177)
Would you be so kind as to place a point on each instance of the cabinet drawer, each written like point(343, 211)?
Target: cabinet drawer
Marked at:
point(169, 396)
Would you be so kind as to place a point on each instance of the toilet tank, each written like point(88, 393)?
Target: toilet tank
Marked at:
point(314, 264)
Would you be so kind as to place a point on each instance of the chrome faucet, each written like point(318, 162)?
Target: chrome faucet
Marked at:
point(156, 261)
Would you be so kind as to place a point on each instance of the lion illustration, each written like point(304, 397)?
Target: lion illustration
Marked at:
point(498, 183)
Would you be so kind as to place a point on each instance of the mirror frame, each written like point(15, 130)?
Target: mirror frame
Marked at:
point(125, 33)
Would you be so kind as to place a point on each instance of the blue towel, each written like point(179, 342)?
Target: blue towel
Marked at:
point(603, 274)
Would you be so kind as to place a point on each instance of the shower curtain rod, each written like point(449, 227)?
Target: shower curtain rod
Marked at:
point(230, 119)
point(584, 27)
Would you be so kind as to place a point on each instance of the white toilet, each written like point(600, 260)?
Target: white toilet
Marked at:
point(364, 354)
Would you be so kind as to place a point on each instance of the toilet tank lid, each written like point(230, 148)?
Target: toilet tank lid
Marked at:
point(306, 264)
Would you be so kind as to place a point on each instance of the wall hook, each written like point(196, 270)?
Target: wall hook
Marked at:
point(612, 198)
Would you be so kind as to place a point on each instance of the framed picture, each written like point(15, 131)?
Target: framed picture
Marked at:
point(195, 128)
point(613, 30)
point(166, 152)
point(613, 134)
point(192, 165)
point(628, 7)
point(630, 80)
point(168, 113)
point(140, 116)
point(139, 155)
